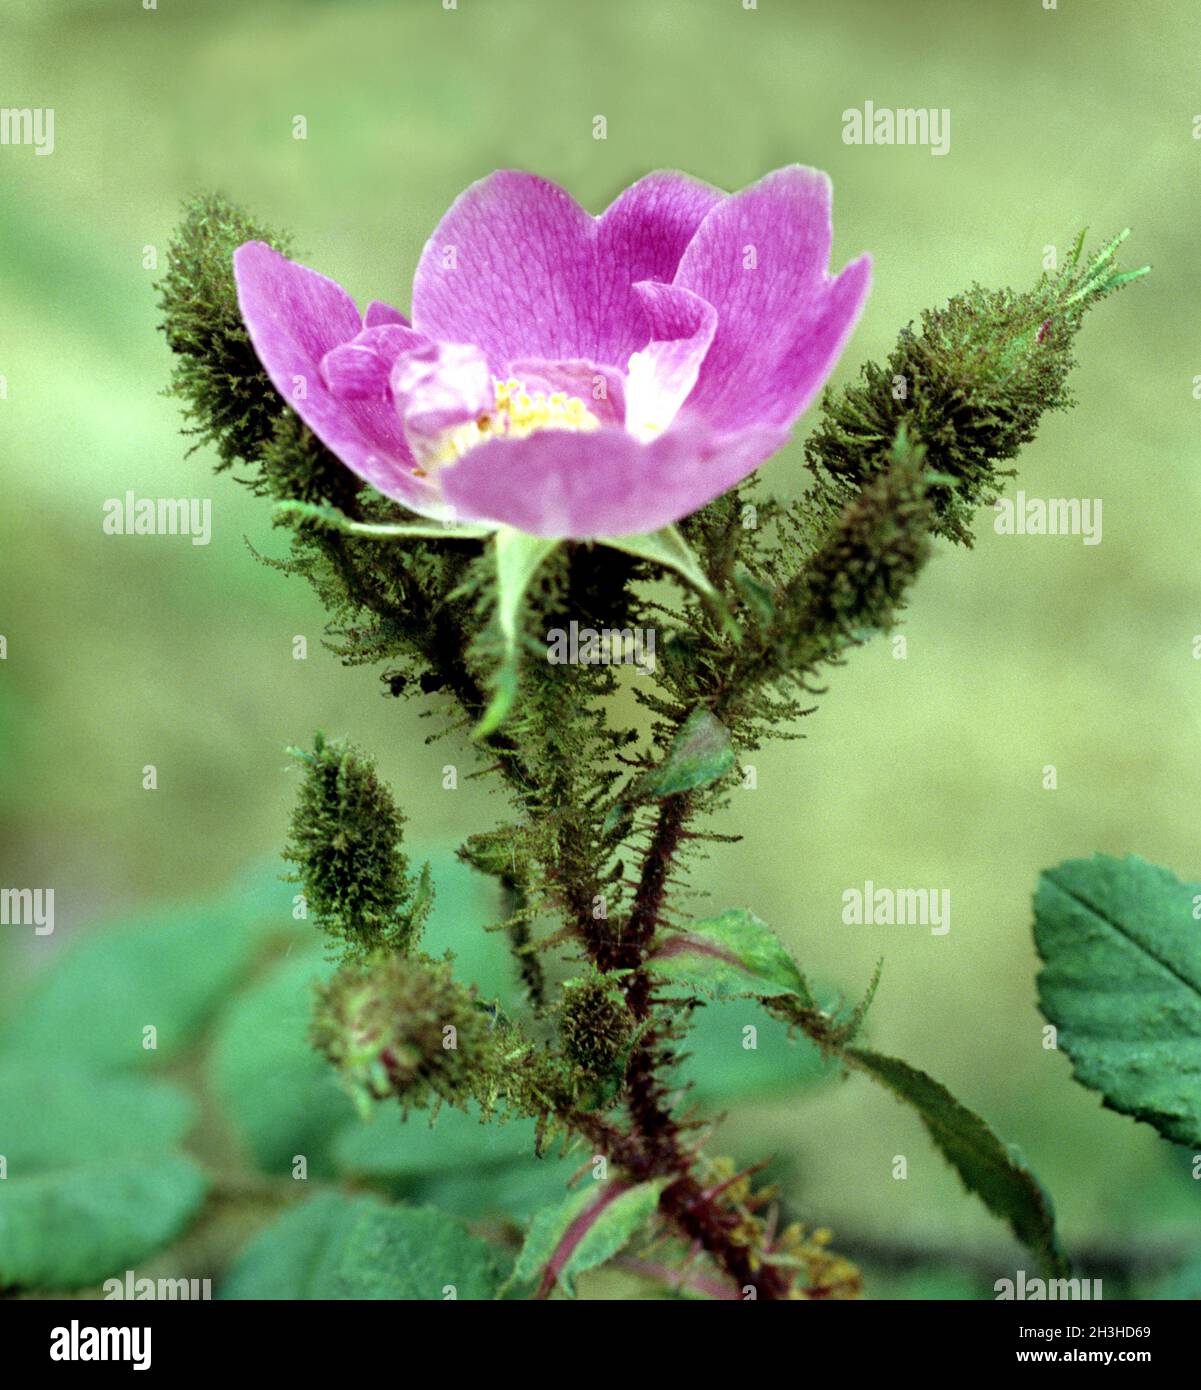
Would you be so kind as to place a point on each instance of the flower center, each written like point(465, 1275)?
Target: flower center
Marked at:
point(515, 413)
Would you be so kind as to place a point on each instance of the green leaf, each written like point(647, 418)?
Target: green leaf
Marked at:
point(282, 1099)
point(466, 902)
point(987, 1167)
point(66, 1230)
point(93, 1179)
point(169, 968)
point(585, 1231)
point(730, 956)
point(1122, 985)
point(700, 754)
point(339, 1247)
point(510, 1192)
point(757, 597)
point(456, 1164)
point(518, 559)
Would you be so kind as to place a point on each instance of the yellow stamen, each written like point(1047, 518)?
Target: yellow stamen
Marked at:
point(515, 413)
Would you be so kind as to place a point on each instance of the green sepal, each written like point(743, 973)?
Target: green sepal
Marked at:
point(518, 558)
point(335, 520)
point(667, 547)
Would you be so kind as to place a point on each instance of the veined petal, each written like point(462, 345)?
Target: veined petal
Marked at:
point(355, 373)
point(518, 268)
point(760, 258)
point(437, 386)
point(602, 482)
point(662, 374)
point(295, 317)
point(360, 369)
point(377, 313)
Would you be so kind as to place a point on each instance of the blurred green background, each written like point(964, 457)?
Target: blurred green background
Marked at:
point(124, 651)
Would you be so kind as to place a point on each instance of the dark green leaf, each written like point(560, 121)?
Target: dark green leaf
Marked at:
point(1122, 984)
point(94, 1181)
point(281, 1097)
point(987, 1167)
point(339, 1247)
point(168, 969)
point(700, 754)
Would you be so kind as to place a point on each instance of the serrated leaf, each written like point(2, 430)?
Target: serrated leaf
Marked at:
point(1122, 985)
point(93, 1179)
point(169, 968)
point(700, 754)
point(986, 1166)
point(339, 1247)
point(583, 1232)
point(730, 956)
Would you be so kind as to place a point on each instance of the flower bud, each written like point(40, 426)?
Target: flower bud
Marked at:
point(346, 844)
point(401, 1026)
point(970, 386)
point(595, 1024)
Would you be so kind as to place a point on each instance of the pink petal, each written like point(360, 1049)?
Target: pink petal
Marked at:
point(355, 373)
point(664, 372)
point(760, 258)
point(295, 317)
point(602, 482)
point(518, 268)
point(438, 386)
point(389, 340)
point(377, 313)
point(359, 370)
